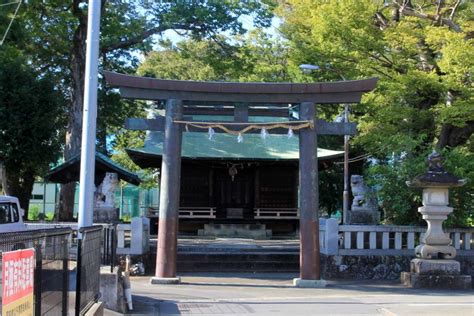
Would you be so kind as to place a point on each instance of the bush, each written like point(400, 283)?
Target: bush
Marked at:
point(34, 213)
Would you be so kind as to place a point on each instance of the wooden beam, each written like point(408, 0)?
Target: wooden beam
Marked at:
point(322, 127)
point(282, 98)
point(329, 128)
point(280, 112)
point(256, 88)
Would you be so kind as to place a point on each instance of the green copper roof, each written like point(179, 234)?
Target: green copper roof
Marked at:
point(225, 146)
point(69, 171)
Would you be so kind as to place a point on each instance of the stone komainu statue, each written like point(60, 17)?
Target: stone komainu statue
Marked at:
point(105, 196)
point(364, 197)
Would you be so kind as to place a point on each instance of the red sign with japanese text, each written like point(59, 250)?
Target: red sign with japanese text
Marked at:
point(17, 282)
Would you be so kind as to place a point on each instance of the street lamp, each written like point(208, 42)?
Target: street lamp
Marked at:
point(308, 68)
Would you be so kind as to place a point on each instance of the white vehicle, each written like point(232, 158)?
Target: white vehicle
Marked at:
point(11, 215)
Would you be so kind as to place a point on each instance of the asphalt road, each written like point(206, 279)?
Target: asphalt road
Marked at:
point(273, 294)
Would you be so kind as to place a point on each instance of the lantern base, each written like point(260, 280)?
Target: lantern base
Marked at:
point(436, 274)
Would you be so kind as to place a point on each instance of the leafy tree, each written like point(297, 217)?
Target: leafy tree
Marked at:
point(56, 40)
point(256, 57)
point(422, 52)
point(30, 117)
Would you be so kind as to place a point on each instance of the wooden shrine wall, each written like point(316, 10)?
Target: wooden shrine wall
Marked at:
point(264, 185)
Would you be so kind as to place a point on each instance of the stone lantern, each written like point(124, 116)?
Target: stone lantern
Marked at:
point(434, 266)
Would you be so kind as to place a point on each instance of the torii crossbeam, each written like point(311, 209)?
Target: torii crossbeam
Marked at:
point(243, 100)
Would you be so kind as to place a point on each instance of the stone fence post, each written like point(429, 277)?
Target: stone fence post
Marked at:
point(330, 227)
point(140, 237)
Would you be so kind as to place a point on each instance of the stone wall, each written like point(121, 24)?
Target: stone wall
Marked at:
point(376, 267)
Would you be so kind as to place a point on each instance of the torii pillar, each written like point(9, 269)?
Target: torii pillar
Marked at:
point(169, 197)
point(310, 275)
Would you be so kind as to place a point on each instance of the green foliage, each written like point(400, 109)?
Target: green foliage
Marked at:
point(422, 52)
point(52, 34)
point(254, 58)
point(33, 213)
point(30, 117)
point(399, 203)
point(460, 162)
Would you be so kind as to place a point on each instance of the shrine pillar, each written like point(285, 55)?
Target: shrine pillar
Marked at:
point(309, 203)
point(169, 196)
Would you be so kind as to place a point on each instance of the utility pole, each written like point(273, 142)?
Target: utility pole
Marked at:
point(89, 118)
point(345, 194)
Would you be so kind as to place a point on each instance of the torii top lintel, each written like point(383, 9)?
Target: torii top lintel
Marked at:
point(143, 88)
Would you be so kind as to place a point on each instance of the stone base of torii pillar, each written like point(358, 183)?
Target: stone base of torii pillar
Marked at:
point(434, 266)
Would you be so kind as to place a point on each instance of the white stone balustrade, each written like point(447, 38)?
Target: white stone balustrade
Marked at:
point(382, 239)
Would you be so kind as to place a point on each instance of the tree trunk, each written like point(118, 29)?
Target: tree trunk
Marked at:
point(20, 187)
point(2, 177)
point(452, 136)
point(74, 126)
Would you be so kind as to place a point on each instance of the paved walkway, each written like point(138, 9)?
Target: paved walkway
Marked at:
point(272, 294)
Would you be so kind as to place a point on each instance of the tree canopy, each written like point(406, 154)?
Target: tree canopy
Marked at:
point(423, 53)
point(54, 40)
point(30, 118)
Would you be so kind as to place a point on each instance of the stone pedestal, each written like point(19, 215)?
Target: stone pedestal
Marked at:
point(362, 216)
point(309, 283)
point(111, 289)
point(159, 280)
point(364, 208)
point(436, 274)
point(106, 215)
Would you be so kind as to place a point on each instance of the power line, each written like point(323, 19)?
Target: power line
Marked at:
point(363, 157)
point(11, 22)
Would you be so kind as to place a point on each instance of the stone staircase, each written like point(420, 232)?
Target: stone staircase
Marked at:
point(243, 230)
point(236, 255)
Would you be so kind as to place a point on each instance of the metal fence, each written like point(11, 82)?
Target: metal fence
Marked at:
point(88, 267)
point(109, 241)
point(51, 275)
point(109, 247)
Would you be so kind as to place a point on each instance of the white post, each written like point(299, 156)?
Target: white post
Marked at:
point(89, 117)
point(332, 236)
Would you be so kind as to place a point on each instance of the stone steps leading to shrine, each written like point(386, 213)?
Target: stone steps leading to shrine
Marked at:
point(238, 261)
point(235, 255)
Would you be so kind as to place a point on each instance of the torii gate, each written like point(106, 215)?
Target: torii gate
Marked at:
point(192, 97)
